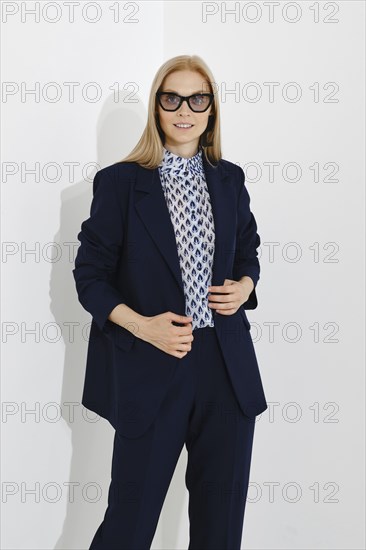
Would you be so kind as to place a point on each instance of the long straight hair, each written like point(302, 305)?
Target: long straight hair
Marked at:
point(148, 152)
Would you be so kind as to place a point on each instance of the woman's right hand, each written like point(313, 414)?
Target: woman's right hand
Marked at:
point(161, 333)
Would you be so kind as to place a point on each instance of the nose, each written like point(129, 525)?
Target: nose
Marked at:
point(184, 108)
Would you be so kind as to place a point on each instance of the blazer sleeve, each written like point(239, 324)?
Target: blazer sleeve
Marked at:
point(247, 241)
point(99, 251)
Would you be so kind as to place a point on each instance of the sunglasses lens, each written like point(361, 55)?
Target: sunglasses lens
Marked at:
point(169, 101)
point(199, 102)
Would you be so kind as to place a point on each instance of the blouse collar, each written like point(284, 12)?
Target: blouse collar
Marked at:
point(181, 166)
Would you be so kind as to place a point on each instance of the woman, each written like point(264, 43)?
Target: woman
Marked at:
point(167, 265)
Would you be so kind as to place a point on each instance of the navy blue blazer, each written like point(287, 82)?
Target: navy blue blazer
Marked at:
point(128, 254)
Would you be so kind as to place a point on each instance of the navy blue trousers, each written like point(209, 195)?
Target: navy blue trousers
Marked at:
point(201, 411)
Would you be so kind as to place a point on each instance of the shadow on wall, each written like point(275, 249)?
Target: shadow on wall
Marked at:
point(119, 127)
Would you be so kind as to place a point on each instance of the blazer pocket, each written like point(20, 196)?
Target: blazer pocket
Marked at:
point(121, 337)
point(244, 317)
point(124, 339)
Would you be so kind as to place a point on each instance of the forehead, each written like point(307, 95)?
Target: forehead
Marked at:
point(185, 82)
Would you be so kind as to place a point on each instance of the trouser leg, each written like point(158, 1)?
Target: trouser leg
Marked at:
point(219, 446)
point(142, 469)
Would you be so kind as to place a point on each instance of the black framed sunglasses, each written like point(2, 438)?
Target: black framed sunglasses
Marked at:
point(198, 103)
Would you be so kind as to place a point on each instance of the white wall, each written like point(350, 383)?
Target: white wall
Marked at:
point(306, 487)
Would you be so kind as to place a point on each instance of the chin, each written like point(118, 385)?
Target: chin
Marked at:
point(183, 139)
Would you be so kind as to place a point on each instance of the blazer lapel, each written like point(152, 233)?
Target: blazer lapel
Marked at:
point(154, 213)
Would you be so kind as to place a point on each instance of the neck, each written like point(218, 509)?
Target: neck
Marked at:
point(185, 151)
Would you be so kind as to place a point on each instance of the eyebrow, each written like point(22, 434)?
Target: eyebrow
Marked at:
point(174, 92)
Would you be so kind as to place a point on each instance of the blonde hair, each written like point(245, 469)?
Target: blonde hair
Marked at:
point(148, 152)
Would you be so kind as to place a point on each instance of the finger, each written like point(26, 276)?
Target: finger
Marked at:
point(224, 305)
point(215, 288)
point(180, 318)
point(222, 298)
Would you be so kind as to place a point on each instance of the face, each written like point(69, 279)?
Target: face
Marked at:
point(183, 142)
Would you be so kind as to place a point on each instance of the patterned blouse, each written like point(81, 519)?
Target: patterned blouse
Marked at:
point(188, 200)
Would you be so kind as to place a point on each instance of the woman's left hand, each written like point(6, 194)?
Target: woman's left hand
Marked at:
point(230, 296)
